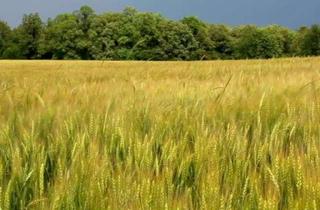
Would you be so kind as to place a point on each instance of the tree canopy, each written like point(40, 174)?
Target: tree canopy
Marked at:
point(134, 35)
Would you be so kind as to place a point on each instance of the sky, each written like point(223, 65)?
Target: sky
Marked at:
point(289, 13)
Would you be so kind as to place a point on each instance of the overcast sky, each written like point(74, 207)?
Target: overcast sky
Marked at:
point(291, 13)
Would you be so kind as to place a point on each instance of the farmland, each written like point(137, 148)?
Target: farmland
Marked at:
point(160, 135)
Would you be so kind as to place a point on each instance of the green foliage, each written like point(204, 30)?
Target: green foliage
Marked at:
point(200, 32)
point(221, 38)
point(28, 35)
point(134, 35)
point(176, 41)
point(253, 42)
point(284, 37)
point(5, 33)
point(68, 36)
point(62, 38)
point(310, 43)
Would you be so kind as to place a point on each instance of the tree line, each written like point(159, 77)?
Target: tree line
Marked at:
point(133, 35)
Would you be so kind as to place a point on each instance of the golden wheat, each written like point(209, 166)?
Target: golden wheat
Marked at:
point(160, 135)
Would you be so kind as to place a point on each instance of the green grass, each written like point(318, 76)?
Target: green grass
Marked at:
point(152, 135)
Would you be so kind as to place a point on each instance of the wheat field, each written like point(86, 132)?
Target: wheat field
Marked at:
point(160, 135)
